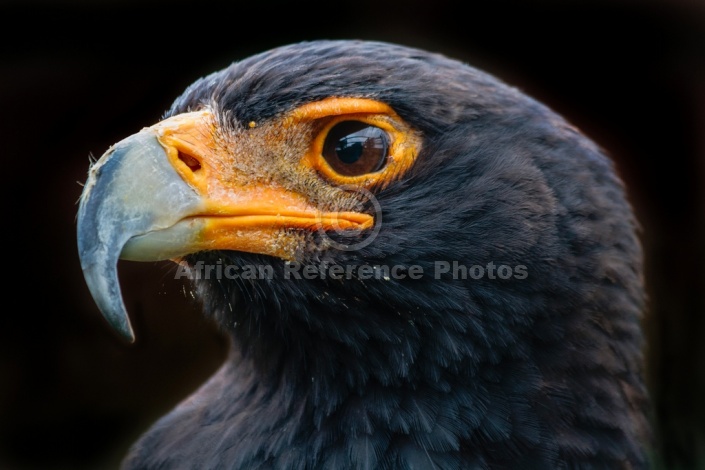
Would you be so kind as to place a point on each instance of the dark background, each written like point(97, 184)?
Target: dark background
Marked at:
point(77, 77)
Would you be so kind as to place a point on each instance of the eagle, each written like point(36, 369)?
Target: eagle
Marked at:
point(417, 265)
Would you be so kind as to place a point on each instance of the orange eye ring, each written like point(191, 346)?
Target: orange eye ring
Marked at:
point(401, 143)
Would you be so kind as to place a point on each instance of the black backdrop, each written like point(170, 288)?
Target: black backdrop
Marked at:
point(77, 77)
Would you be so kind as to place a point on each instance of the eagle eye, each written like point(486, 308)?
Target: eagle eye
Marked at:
point(354, 148)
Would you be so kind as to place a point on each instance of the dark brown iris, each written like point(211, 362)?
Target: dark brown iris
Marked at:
point(354, 148)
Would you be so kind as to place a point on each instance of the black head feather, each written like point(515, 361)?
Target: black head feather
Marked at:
point(538, 369)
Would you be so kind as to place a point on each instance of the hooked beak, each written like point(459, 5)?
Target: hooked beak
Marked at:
point(157, 195)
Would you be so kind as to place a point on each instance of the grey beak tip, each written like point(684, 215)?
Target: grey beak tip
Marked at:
point(120, 322)
point(103, 284)
point(131, 191)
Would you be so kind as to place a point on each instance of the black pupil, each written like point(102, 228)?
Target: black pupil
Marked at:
point(354, 148)
point(349, 149)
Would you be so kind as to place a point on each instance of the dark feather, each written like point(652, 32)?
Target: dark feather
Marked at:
point(541, 372)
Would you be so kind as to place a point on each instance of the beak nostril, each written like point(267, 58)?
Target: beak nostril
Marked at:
point(190, 161)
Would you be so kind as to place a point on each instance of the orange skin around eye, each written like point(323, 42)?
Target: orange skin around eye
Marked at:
point(404, 144)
